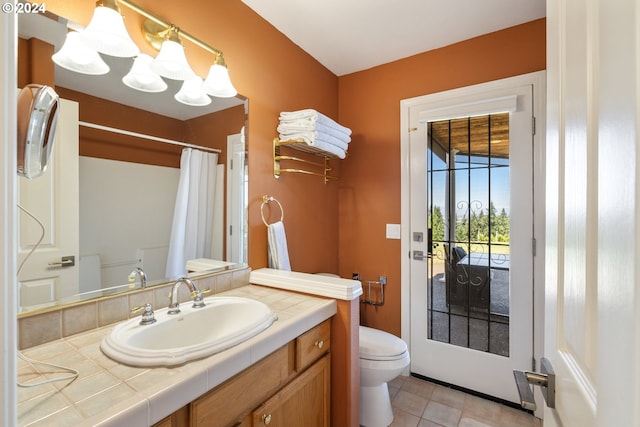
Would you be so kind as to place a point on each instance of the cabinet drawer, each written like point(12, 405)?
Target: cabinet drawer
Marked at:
point(227, 403)
point(313, 344)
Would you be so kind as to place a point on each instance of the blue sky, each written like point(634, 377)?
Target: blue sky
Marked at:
point(475, 177)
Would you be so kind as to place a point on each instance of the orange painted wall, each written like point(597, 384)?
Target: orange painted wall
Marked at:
point(29, 52)
point(211, 130)
point(369, 103)
point(275, 75)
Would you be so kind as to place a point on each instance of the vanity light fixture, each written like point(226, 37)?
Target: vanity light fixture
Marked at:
point(106, 33)
point(191, 93)
point(218, 82)
point(77, 56)
point(142, 78)
point(171, 62)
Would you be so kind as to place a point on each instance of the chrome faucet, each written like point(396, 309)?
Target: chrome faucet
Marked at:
point(143, 277)
point(174, 305)
point(148, 316)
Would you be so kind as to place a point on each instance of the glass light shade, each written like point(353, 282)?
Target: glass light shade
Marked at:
point(140, 77)
point(191, 93)
point(76, 56)
point(107, 34)
point(171, 62)
point(218, 82)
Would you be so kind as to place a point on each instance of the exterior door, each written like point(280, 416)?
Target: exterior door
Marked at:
point(471, 205)
point(52, 198)
point(592, 326)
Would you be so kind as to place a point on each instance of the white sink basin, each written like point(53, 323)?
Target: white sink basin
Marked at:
point(194, 333)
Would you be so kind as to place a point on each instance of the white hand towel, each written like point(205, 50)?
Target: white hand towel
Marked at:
point(278, 252)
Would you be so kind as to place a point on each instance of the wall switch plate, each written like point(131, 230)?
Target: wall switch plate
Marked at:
point(393, 231)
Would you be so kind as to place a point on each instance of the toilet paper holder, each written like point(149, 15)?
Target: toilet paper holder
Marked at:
point(367, 297)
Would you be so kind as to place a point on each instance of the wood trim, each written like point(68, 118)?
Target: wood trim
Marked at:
point(345, 362)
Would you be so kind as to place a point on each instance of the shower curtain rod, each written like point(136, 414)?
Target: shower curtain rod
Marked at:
point(148, 137)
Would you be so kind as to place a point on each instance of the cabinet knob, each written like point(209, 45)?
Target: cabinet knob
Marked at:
point(319, 343)
point(266, 419)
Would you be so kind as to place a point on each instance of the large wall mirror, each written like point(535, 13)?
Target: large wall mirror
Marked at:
point(114, 179)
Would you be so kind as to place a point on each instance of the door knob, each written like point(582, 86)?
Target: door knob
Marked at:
point(545, 379)
point(65, 261)
point(419, 256)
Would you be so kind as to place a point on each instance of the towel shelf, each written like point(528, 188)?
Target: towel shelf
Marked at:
point(299, 144)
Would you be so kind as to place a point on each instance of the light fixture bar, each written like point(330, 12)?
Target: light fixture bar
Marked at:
point(168, 25)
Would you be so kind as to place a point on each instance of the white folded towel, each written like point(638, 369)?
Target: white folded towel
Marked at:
point(315, 142)
point(278, 252)
point(314, 117)
point(335, 131)
point(306, 126)
point(312, 137)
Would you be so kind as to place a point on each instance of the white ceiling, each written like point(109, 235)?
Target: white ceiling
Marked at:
point(353, 35)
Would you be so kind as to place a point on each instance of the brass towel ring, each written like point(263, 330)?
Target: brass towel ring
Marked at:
point(266, 199)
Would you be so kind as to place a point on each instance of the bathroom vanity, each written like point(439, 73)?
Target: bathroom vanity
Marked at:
point(291, 386)
point(301, 370)
point(284, 372)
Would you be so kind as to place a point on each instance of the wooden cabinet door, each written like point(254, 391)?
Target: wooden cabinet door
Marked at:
point(304, 402)
point(228, 403)
point(180, 418)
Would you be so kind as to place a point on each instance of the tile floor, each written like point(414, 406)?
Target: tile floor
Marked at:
point(420, 403)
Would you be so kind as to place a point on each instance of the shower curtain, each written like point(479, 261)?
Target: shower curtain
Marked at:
point(193, 217)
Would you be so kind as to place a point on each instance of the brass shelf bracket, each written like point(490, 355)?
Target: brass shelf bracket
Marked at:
point(296, 144)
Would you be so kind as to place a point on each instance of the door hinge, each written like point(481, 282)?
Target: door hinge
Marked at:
point(533, 125)
point(534, 246)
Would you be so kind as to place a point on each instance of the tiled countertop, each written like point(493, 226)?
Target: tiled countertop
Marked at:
point(108, 393)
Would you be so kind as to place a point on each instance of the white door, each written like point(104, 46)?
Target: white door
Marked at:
point(592, 312)
point(52, 198)
point(471, 292)
point(236, 198)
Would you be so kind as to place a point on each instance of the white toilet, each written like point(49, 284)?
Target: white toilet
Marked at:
point(383, 357)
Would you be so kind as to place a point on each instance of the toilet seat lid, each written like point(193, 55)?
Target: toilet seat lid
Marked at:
point(380, 345)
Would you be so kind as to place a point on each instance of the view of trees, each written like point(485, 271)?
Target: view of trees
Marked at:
point(473, 229)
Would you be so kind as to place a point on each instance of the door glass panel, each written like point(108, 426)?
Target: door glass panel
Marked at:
point(468, 202)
